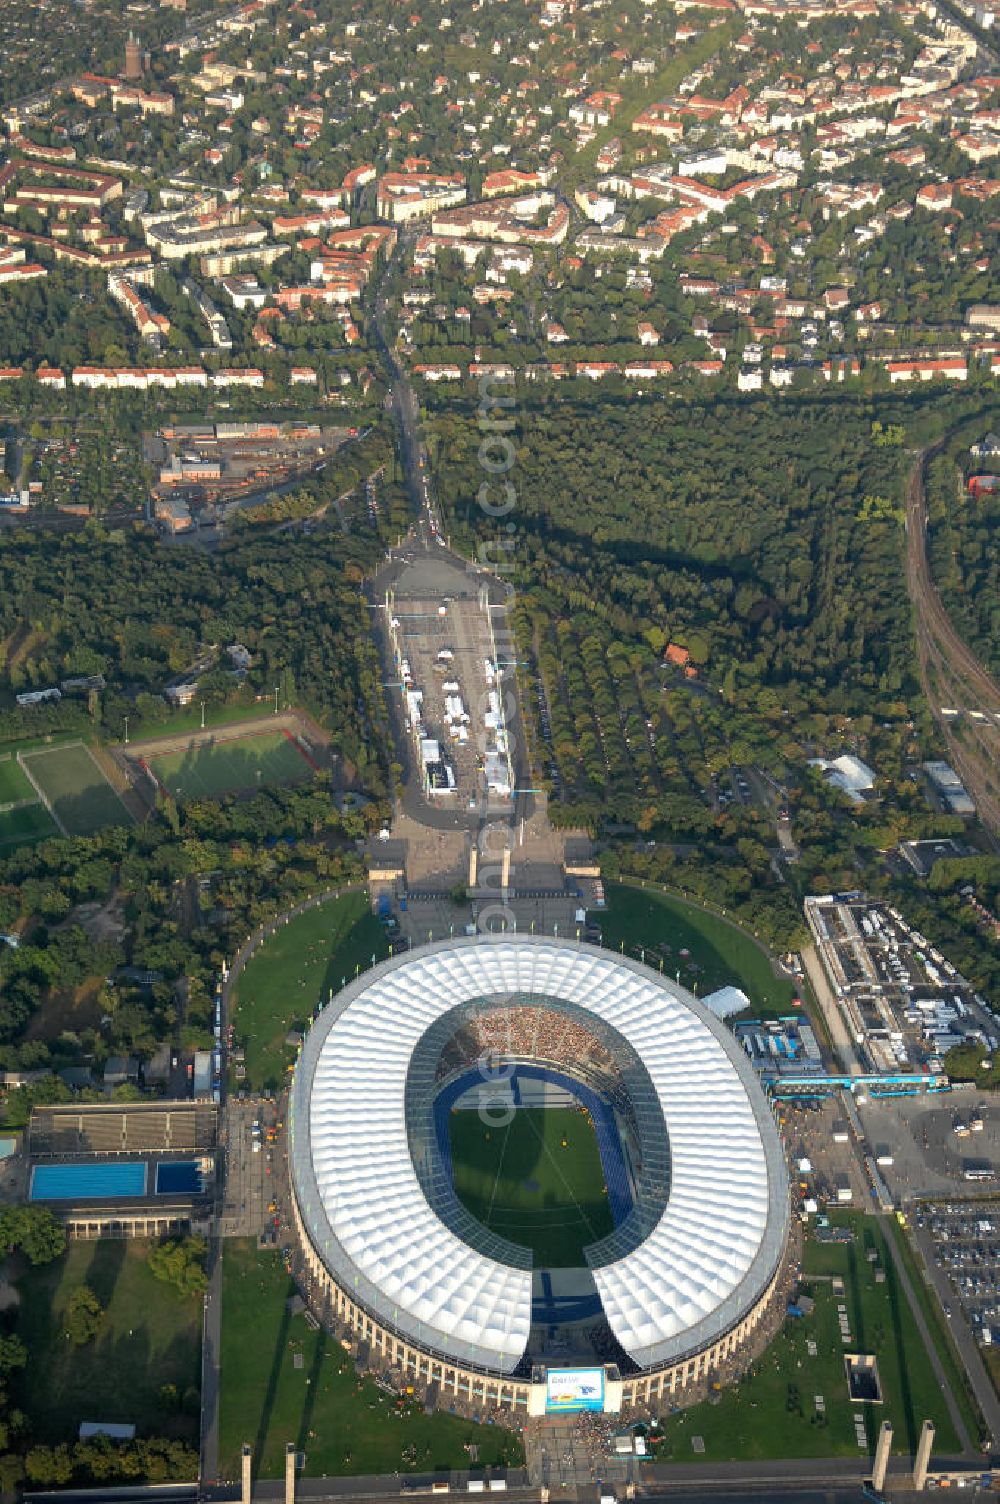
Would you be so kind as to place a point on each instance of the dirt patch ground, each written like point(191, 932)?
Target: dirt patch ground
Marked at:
point(102, 921)
point(120, 782)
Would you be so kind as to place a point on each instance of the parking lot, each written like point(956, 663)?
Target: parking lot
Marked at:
point(912, 1139)
point(959, 1242)
point(817, 1132)
point(966, 1246)
point(928, 1157)
point(453, 690)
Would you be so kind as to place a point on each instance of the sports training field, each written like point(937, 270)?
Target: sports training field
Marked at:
point(24, 824)
point(80, 796)
point(537, 1181)
point(23, 817)
point(204, 769)
point(14, 782)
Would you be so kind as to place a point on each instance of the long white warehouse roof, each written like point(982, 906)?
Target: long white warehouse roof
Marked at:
point(707, 1260)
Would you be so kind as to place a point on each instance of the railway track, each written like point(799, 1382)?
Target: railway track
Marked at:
point(950, 672)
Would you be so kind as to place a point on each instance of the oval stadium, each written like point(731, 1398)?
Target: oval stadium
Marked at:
point(530, 1173)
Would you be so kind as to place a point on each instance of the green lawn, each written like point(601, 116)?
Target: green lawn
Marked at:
point(206, 769)
point(345, 1425)
point(718, 953)
point(940, 1330)
point(538, 1181)
point(772, 1412)
point(80, 795)
point(151, 1337)
point(29, 822)
point(14, 782)
point(188, 718)
point(293, 971)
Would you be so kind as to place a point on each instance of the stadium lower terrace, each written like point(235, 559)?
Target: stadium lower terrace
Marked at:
point(687, 1163)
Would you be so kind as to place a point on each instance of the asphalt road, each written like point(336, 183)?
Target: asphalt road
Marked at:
point(404, 407)
point(747, 1494)
point(210, 1356)
point(429, 536)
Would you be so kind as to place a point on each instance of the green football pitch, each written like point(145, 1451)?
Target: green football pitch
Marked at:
point(206, 769)
point(15, 785)
point(26, 823)
point(537, 1181)
point(80, 796)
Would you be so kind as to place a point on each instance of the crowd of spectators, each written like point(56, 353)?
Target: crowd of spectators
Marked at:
point(527, 1031)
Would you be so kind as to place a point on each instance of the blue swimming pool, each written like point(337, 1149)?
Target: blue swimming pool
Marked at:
point(88, 1182)
point(180, 1177)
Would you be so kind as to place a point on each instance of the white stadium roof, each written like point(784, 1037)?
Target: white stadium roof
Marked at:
point(708, 1258)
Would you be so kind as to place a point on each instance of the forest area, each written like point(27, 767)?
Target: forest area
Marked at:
point(172, 897)
point(963, 532)
point(124, 607)
point(759, 547)
point(702, 588)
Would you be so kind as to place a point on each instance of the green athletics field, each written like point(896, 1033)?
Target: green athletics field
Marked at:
point(537, 1181)
point(206, 768)
point(282, 1381)
point(295, 969)
point(699, 948)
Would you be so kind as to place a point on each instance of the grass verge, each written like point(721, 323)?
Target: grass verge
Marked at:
point(293, 971)
point(772, 1412)
point(188, 718)
point(696, 947)
point(283, 1382)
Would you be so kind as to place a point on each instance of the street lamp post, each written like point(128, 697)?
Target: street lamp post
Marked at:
point(126, 731)
point(276, 699)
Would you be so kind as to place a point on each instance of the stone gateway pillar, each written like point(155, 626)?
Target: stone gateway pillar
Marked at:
point(882, 1451)
point(924, 1446)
